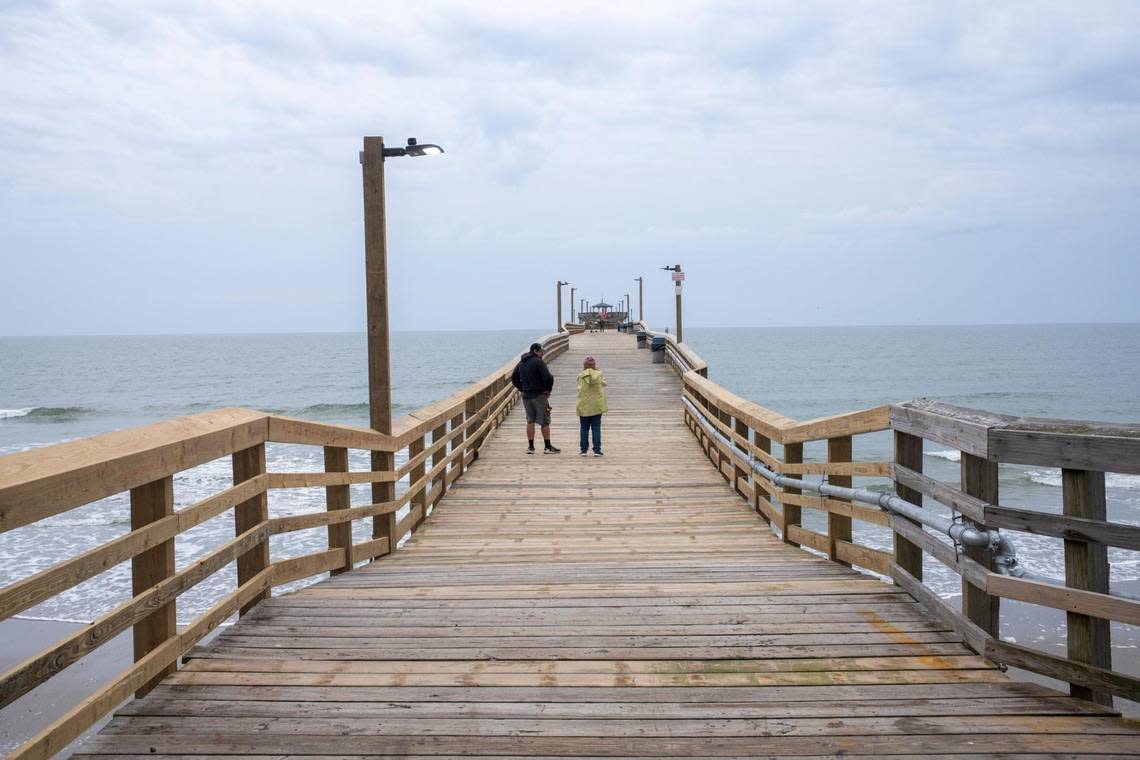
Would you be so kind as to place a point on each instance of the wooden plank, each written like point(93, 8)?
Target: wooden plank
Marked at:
point(793, 454)
point(839, 525)
point(1089, 603)
point(908, 458)
point(968, 504)
point(1064, 526)
point(1096, 680)
point(873, 559)
point(1070, 444)
point(975, 637)
point(337, 498)
point(248, 464)
point(47, 481)
point(967, 430)
point(980, 480)
point(1086, 568)
point(150, 503)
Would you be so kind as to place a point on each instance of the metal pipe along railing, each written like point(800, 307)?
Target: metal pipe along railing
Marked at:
point(962, 533)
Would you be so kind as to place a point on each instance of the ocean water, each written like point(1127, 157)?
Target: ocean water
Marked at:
point(58, 389)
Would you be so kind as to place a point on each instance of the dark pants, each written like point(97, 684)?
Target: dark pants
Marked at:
point(591, 423)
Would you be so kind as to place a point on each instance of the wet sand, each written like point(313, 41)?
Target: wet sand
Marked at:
point(28, 715)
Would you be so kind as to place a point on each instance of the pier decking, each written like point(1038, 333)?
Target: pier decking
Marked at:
point(627, 606)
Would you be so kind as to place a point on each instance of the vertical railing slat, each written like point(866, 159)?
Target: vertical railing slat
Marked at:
point(1086, 567)
point(149, 503)
point(793, 513)
point(908, 454)
point(248, 464)
point(980, 479)
point(338, 497)
point(838, 526)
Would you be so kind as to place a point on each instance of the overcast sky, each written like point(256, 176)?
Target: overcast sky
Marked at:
point(178, 167)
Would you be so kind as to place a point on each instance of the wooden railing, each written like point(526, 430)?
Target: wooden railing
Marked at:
point(441, 440)
point(1083, 451)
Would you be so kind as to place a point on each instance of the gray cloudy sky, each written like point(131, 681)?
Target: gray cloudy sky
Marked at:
point(192, 167)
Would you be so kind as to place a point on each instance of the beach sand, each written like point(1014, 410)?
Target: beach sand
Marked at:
point(29, 714)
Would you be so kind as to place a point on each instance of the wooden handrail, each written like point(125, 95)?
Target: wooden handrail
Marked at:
point(1084, 451)
point(38, 484)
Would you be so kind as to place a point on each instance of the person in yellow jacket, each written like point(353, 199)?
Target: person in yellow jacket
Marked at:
point(591, 404)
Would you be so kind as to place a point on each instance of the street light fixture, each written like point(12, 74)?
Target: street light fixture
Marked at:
point(376, 281)
point(640, 298)
point(414, 148)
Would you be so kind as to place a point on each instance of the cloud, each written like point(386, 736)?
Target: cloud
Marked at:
point(580, 137)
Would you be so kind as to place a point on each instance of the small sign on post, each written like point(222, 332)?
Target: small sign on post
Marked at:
point(678, 277)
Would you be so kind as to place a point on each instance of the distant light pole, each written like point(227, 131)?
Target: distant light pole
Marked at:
point(628, 309)
point(558, 322)
point(376, 282)
point(572, 305)
point(640, 298)
point(678, 278)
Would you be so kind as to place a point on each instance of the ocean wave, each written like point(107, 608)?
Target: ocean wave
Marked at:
point(330, 409)
point(46, 413)
point(950, 455)
point(1111, 479)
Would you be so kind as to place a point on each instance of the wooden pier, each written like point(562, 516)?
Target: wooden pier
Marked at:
point(636, 605)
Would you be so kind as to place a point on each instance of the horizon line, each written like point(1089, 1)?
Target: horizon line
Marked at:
point(537, 329)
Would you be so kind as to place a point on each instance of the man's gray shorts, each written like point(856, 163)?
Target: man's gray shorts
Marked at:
point(537, 410)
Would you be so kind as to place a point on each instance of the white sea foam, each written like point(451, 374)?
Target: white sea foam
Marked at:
point(1111, 479)
point(950, 455)
point(9, 413)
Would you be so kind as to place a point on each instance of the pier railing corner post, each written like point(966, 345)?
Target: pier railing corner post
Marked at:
point(793, 513)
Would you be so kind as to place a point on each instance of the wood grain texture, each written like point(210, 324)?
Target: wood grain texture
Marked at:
point(632, 605)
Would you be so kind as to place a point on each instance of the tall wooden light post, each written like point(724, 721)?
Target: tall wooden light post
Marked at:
point(640, 298)
point(572, 305)
point(628, 308)
point(558, 322)
point(678, 278)
point(376, 280)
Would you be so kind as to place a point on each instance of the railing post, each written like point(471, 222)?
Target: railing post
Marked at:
point(740, 474)
point(149, 503)
point(416, 474)
point(793, 454)
point(908, 454)
point(337, 497)
point(980, 479)
point(384, 526)
point(1086, 567)
point(472, 409)
point(439, 484)
point(764, 443)
point(457, 423)
point(248, 464)
point(838, 526)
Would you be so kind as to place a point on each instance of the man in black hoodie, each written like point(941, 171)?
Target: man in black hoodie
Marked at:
point(533, 378)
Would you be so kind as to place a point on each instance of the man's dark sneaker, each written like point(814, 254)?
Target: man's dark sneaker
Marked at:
point(583, 453)
point(530, 449)
point(598, 453)
point(551, 450)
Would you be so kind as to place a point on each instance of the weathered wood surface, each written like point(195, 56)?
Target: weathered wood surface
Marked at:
point(627, 606)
